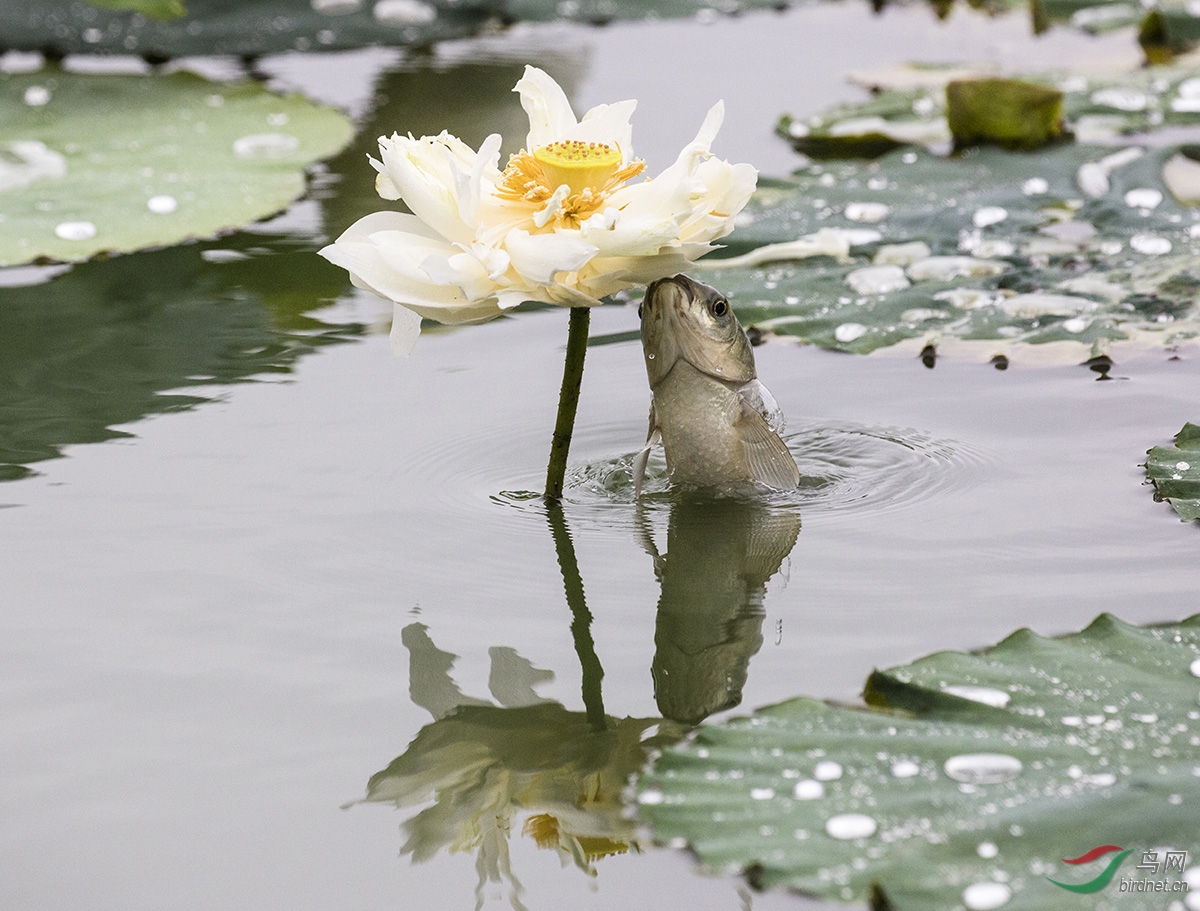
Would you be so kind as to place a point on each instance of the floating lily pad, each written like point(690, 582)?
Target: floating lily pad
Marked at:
point(118, 163)
point(170, 28)
point(909, 107)
point(966, 782)
point(1087, 245)
point(1175, 472)
point(988, 250)
point(1092, 16)
point(241, 27)
point(600, 11)
point(160, 9)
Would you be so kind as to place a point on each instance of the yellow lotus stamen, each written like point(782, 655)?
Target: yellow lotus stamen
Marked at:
point(590, 170)
point(580, 165)
point(544, 829)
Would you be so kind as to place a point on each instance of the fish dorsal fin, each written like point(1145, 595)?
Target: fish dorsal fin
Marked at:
point(767, 458)
point(653, 435)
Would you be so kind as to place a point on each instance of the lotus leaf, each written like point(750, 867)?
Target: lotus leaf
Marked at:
point(159, 29)
point(1175, 472)
point(966, 782)
point(160, 9)
point(185, 158)
point(1079, 243)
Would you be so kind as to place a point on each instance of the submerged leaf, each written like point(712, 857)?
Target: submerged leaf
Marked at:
point(968, 780)
point(1175, 472)
point(118, 163)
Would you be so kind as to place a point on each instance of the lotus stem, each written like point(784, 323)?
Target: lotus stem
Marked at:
point(581, 617)
point(568, 402)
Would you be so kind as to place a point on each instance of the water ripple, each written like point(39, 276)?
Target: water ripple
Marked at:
point(844, 468)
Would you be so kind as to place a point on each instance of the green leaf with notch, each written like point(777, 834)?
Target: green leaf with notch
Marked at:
point(965, 782)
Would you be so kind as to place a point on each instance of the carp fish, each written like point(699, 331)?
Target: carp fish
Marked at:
point(719, 426)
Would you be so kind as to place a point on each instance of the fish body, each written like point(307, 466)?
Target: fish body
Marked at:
point(719, 426)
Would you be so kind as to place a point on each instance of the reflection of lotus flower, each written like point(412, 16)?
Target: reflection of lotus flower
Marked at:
point(560, 224)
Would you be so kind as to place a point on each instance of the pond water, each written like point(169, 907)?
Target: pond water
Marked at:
point(233, 603)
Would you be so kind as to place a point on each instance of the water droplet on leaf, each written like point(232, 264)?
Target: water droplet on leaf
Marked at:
point(983, 768)
point(162, 205)
point(265, 145)
point(848, 826)
point(986, 896)
point(808, 790)
point(76, 230)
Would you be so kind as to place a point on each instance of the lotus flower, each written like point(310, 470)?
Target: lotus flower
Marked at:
point(562, 223)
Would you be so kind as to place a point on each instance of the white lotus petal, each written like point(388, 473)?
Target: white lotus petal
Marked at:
point(539, 257)
point(463, 271)
point(470, 186)
point(406, 327)
point(550, 113)
point(426, 173)
point(607, 123)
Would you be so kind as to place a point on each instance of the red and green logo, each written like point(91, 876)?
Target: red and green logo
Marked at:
point(1106, 875)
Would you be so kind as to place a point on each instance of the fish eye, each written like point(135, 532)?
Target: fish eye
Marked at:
point(720, 307)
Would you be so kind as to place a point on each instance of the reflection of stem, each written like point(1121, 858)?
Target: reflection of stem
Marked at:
point(568, 401)
point(581, 622)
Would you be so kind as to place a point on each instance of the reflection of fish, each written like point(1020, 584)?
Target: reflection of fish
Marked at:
point(718, 424)
point(720, 554)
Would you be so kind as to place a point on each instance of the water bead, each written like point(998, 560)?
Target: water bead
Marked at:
point(75, 230)
point(987, 850)
point(982, 768)
point(827, 771)
point(265, 145)
point(404, 12)
point(1184, 466)
point(1035, 186)
point(1150, 244)
point(986, 896)
point(849, 826)
point(162, 205)
point(808, 790)
point(336, 7)
point(905, 768)
point(989, 215)
point(762, 793)
point(1143, 198)
point(984, 694)
point(848, 332)
point(868, 212)
point(651, 798)
point(36, 96)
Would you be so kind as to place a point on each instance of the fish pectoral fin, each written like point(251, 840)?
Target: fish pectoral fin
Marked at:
point(768, 460)
point(758, 397)
point(653, 435)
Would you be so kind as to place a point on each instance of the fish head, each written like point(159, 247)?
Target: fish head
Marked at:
point(683, 319)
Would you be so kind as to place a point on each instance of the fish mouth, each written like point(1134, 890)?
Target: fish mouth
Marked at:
point(656, 287)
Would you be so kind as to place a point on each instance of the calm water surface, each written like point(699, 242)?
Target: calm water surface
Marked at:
point(257, 603)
